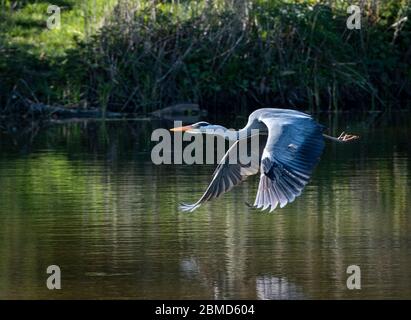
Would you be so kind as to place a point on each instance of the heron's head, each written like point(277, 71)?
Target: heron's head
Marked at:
point(198, 127)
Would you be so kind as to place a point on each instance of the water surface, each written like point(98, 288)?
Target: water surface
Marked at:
point(86, 197)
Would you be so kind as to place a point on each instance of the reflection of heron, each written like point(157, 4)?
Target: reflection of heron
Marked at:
point(273, 288)
point(294, 145)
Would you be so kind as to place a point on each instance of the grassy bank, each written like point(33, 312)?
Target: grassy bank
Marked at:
point(34, 59)
point(224, 54)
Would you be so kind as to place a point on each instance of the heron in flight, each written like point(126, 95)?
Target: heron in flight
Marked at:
point(293, 146)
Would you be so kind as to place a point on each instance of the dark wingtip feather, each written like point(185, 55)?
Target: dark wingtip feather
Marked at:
point(270, 208)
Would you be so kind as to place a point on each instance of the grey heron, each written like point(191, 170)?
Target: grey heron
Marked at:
point(294, 144)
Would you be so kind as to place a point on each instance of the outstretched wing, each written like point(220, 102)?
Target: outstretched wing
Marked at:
point(293, 149)
point(227, 175)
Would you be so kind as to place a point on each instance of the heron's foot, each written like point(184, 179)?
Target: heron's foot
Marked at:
point(344, 137)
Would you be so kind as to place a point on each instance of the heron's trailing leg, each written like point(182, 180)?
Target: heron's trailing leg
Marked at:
point(343, 137)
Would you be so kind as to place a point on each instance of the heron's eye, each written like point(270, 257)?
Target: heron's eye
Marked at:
point(201, 124)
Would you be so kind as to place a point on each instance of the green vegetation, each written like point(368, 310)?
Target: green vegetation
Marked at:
point(226, 54)
point(34, 59)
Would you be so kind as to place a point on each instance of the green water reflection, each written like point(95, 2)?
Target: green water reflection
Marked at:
point(85, 196)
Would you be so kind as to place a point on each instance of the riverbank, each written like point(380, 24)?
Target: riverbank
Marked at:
point(145, 56)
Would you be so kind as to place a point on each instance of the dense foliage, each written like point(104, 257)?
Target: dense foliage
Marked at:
point(228, 54)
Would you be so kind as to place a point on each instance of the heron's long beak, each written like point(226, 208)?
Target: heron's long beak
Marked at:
point(185, 128)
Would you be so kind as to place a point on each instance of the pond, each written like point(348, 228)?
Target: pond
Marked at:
point(85, 196)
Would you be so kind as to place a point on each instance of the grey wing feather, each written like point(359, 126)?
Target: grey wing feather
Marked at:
point(227, 175)
point(293, 149)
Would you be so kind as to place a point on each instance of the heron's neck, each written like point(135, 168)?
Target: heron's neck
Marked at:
point(232, 135)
